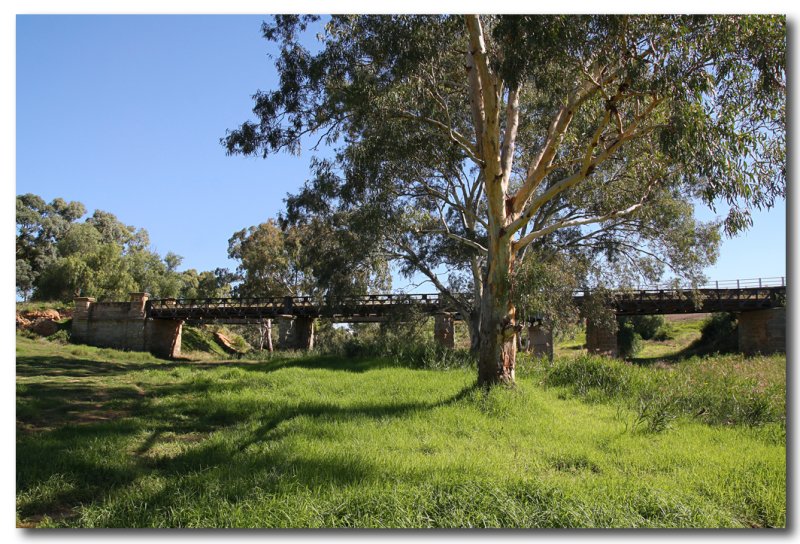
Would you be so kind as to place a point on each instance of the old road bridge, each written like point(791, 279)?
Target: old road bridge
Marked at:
point(155, 325)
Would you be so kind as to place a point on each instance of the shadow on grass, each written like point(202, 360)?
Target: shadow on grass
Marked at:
point(37, 365)
point(76, 423)
point(695, 349)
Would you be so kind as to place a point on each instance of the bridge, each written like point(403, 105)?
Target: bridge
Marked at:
point(378, 307)
point(100, 323)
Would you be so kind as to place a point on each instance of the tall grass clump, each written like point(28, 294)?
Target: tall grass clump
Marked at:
point(411, 351)
point(722, 390)
point(597, 377)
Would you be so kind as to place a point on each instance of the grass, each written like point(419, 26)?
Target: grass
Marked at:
point(60, 306)
point(682, 334)
point(121, 439)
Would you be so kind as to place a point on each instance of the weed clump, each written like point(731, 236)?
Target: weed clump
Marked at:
point(722, 390)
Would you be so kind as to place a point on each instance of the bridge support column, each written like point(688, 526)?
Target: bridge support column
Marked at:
point(540, 341)
point(444, 330)
point(304, 332)
point(600, 340)
point(762, 331)
point(80, 319)
point(162, 337)
point(296, 333)
point(135, 334)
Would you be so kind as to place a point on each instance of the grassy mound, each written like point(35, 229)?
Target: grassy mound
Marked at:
point(200, 342)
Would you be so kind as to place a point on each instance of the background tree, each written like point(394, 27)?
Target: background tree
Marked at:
point(59, 258)
point(575, 131)
point(39, 227)
point(311, 259)
point(207, 284)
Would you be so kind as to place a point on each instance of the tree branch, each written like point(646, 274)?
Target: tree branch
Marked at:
point(454, 135)
point(588, 165)
point(525, 240)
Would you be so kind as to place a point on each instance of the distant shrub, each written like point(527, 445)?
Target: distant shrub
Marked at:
point(330, 339)
point(648, 326)
point(62, 336)
point(629, 342)
point(665, 332)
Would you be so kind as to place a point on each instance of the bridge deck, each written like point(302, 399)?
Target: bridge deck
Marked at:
point(376, 307)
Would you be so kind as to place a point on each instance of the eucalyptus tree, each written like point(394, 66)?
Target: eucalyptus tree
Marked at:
point(312, 259)
point(40, 225)
point(552, 133)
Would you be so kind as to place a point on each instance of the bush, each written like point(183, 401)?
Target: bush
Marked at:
point(63, 336)
point(719, 334)
point(629, 342)
point(648, 326)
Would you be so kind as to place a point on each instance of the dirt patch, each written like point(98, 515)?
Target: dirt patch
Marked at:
point(59, 513)
point(226, 344)
point(44, 327)
point(42, 314)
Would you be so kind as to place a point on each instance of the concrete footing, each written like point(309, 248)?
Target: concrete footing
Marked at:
point(540, 341)
point(601, 340)
point(296, 333)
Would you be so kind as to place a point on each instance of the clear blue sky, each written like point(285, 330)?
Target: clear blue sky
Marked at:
point(125, 113)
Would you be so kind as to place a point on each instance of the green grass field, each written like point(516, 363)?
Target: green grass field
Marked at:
point(117, 439)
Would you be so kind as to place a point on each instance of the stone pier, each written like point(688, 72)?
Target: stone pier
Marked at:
point(444, 330)
point(296, 333)
point(600, 340)
point(540, 341)
point(762, 331)
point(125, 325)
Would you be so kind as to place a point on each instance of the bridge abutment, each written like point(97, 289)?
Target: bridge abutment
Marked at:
point(125, 325)
point(601, 340)
point(762, 331)
point(444, 330)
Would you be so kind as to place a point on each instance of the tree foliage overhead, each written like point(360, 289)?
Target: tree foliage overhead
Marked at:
point(477, 143)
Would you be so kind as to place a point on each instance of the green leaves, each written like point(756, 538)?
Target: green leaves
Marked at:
point(58, 258)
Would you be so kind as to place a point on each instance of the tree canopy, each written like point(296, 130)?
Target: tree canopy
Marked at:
point(483, 142)
point(59, 257)
point(312, 259)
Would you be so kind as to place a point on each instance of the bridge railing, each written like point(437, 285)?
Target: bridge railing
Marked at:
point(746, 283)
